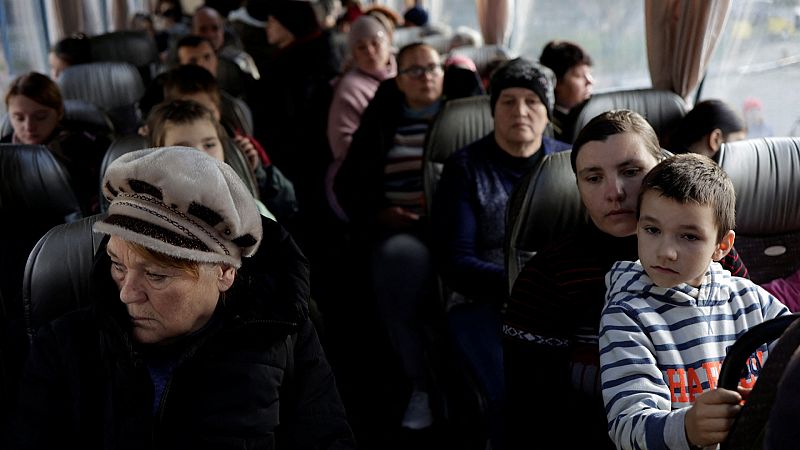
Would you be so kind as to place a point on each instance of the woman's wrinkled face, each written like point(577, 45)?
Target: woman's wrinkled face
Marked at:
point(33, 122)
point(164, 302)
point(372, 54)
point(609, 175)
point(200, 134)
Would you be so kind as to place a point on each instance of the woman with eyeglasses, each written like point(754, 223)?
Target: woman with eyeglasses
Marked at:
point(380, 189)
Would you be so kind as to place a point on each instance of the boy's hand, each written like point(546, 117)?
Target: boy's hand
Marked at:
point(249, 150)
point(709, 419)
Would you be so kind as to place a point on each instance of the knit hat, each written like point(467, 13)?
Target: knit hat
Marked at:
point(523, 73)
point(365, 27)
point(416, 16)
point(297, 16)
point(183, 203)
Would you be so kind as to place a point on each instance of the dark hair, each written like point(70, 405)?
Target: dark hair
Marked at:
point(416, 16)
point(38, 88)
point(191, 79)
point(179, 112)
point(560, 56)
point(409, 48)
point(193, 41)
point(694, 178)
point(704, 118)
point(614, 122)
point(73, 50)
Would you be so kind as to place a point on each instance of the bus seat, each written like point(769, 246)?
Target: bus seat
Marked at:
point(404, 36)
point(119, 147)
point(748, 428)
point(484, 56)
point(114, 87)
point(441, 42)
point(237, 108)
point(764, 173)
point(461, 122)
point(57, 274)
point(544, 205)
point(133, 47)
point(35, 195)
point(662, 109)
point(78, 115)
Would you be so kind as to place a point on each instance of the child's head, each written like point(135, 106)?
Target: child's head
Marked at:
point(192, 82)
point(185, 123)
point(686, 215)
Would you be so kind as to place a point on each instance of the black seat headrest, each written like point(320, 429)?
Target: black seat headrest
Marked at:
point(57, 274)
point(544, 205)
point(765, 175)
point(133, 47)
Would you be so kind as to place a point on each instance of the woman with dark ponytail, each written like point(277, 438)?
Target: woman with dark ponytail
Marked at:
point(706, 127)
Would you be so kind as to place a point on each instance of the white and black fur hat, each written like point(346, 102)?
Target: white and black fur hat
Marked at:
point(183, 203)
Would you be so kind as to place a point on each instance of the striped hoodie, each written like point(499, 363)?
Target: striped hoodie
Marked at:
point(662, 347)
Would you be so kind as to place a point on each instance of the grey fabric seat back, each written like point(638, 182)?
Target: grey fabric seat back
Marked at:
point(404, 36)
point(663, 109)
point(544, 205)
point(461, 122)
point(441, 42)
point(766, 176)
point(58, 270)
point(114, 87)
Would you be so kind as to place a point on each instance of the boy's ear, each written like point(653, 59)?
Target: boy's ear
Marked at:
point(725, 245)
point(715, 140)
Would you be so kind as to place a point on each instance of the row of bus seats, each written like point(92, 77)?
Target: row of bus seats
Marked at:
point(762, 170)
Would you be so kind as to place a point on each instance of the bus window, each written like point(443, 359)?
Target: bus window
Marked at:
point(612, 32)
point(24, 46)
point(756, 66)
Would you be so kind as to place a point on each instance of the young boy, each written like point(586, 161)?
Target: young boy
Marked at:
point(670, 317)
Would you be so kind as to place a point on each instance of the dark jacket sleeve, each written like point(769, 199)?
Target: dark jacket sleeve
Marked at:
point(311, 409)
point(455, 226)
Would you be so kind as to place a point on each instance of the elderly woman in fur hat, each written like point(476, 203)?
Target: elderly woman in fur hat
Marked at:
point(198, 336)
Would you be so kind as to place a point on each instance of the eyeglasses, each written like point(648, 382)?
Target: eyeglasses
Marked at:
point(419, 71)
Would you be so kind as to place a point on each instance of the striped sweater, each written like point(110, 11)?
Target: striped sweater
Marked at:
point(662, 347)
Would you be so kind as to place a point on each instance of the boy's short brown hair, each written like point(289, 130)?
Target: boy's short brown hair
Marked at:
point(696, 178)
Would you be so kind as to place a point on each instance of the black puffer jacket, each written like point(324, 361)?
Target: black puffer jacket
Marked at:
point(254, 378)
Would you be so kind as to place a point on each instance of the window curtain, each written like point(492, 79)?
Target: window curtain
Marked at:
point(118, 14)
point(493, 20)
point(696, 26)
point(66, 17)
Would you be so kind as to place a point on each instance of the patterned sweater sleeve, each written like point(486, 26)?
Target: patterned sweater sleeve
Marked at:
point(637, 400)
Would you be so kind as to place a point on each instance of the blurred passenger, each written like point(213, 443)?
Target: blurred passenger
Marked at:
point(373, 62)
point(416, 16)
point(294, 99)
point(469, 212)
point(36, 112)
point(379, 186)
point(573, 69)
point(757, 126)
point(197, 50)
point(67, 52)
point(706, 127)
point(207, 22)
point(465, 37)
point(197, 334)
